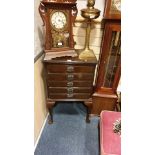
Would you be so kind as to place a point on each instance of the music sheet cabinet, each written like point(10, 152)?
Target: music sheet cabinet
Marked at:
point(69, 79)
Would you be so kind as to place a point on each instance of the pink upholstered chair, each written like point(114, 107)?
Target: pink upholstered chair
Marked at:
point(110, 142)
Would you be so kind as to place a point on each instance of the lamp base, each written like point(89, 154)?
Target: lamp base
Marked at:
point(86, 54)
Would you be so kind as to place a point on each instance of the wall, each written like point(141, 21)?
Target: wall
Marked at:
point(40, 111)
point(39, 92)
point(38, 30)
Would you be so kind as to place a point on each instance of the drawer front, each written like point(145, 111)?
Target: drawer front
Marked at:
point(69, 90)
point(69, 96)
point(69, 81)
point(70, 69)
point(51, 83)
point(70, 77)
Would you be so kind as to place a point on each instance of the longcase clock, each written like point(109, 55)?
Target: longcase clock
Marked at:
point(109, 65)
point(58, 17)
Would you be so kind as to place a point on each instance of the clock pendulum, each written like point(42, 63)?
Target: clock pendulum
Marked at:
point(89, 14)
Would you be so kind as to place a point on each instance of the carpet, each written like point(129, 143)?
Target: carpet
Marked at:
point(69, 134)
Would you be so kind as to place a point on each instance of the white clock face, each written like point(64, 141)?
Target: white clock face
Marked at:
point(58, 20)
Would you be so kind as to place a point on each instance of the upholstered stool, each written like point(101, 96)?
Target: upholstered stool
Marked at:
point(110, 142)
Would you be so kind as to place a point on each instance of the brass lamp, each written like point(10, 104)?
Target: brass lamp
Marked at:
point(89, 13)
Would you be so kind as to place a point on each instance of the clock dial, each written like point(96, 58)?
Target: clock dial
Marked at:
point(58, 20)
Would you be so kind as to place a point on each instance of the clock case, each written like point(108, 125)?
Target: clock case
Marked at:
point(110, 11)
point(69, 8)
point(109, 65)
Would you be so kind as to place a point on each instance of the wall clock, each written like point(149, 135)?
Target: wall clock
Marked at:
point(112, 9)
point(58, 17)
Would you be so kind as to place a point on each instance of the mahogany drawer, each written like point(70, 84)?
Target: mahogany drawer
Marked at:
point(70, 89)
point(69, 96)
point(53, 68)
point(70, 77)
point(52, 83)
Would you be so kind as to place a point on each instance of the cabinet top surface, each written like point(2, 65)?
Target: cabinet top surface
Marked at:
point(59, 1)
point(71, 60)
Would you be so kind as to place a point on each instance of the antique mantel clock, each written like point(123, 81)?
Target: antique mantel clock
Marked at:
point(58, 17)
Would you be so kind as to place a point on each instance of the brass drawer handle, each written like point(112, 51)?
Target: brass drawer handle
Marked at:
point(69, 95)
point(70, 68)
point(69, 84)
point(70, 76)
point(70, 90)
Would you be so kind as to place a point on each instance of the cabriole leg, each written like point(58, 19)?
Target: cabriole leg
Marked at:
point(50, 105)
point(88, 104)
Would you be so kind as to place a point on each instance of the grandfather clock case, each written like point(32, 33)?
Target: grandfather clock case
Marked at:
point(109, 65)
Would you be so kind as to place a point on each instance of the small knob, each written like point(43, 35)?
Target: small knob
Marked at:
point(70, 77)
point(69, 84)
point(70, 68)
point(70, 90)
point(69, 95)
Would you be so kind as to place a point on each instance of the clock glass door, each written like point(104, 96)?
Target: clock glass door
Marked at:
point(59, 22)
point(112, 59)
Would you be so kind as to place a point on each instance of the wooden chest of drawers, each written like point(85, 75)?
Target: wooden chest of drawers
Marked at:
point(69, 79)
